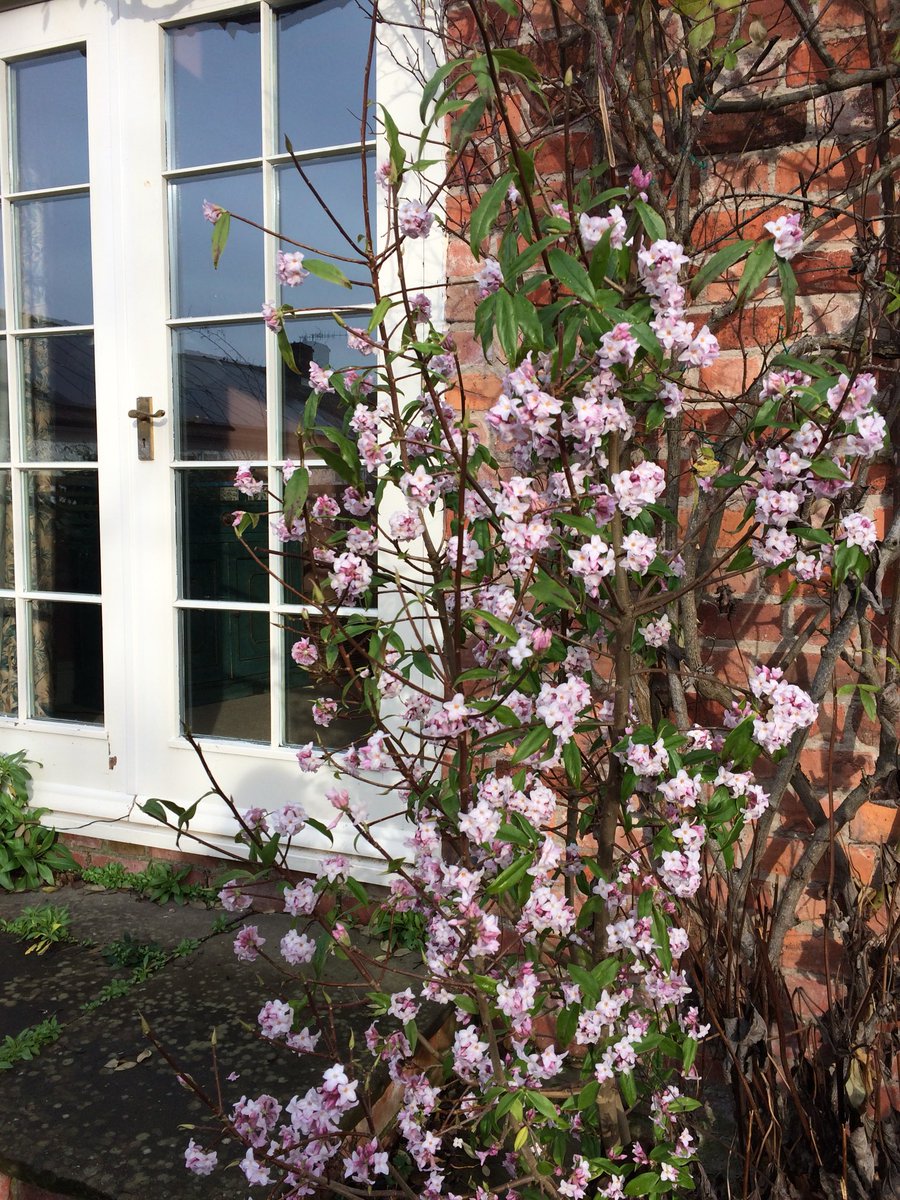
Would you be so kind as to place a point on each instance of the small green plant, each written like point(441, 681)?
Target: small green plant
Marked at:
point(131, 953)
point(399, 930)
point(42, 926)
point(111, 875)
point(160, 882)
point(185, 948)
point(30, 853)
point(28, 1043)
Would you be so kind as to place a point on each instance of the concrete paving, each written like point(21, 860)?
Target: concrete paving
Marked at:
point(74, 1124)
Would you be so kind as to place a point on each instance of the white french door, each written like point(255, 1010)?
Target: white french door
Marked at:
point(128, 610)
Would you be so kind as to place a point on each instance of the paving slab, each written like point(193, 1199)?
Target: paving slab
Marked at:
point(76, 1126)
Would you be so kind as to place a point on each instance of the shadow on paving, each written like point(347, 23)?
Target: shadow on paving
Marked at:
point(76, 1126)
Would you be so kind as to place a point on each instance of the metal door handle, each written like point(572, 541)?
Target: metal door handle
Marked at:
point(145, 418)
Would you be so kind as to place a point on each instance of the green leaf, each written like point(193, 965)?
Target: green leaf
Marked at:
point(867, 700)
point(651, 220)
point(327, 271)
point(822, 536)
point(502, 627)
point(643, 1184)
point(826, 468)
point(572, 762)
point(431, 87)
point(220, 233)
point(506, 325)
point(756, 268)
point(698, 39)
point(467, 122)
point(379, 312)
point(788, 291)
point(543, 1104)
point(590, 989)
point(286, 350)
point(485, 215)
point(719, 262)
point(546, 590)
point(531, 743)
point(529, 256)
point(295, 491)
point(586, 525)
point(397, 153)
point(509, 876)
point(661, 937)
point(571, 274)
point(154, 809)
point(516, 63)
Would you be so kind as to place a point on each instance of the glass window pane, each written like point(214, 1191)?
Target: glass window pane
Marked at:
point(322, 51)
point(49, 97)
point(322, 341)
point(215, 565)
point(199, 289)
point(64, 531)
point(59, 401)
point(220, 392)
point(4, 403)
point(53, 237)
point(7, 567)
point(338, 181)
point(2, 285)
point(9, 691)
point(226, 681)
point(304, 686)
point(67, 661)
point(294, 561)
point(214, 92)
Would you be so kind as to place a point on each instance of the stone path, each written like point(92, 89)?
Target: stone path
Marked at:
point(76, 1126)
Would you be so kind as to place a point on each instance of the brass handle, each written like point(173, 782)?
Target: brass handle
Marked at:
point(145, 418)
point(139, 415)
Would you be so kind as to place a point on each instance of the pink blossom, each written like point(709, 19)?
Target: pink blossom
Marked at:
point(361, 342)
point(414, 219)
point(637, 488)
point(245, 483)
point(255, 1173)
point(304, 652)
point(201, 1162)
point(211, 213)
point(788, 234)
point(296, 947)
point(324, 711)
point(300, 901)
point(289, 268)
point(275, 1019)
point(350, 576)
point(233, 899)
point(860, 530)
point(420, 308)
point(658, 631)
point(247, 944)
point(288, 820)
point(489, 278)
point(272, 316)
point(592, 229)
point(319, 379)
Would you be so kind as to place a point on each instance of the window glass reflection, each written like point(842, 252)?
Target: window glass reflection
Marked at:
point(215, 564)
point(338, 181)
point(236, 286)
point(214, 91)
point(226, 674)
point(67, 661)
point(59, 408)
point(53, 239)
point(9, 690)
point(320, 341)
point(220, 390)
point(322, 52)
point(49, 100)
point(64, 531)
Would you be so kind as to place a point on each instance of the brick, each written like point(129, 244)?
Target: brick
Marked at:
point(824, 272)
point(729, 133)
point(804, 65)
point(876, 823)
point(824, 168)
point(731, 376)
point(775, 15)
point(842, 16)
